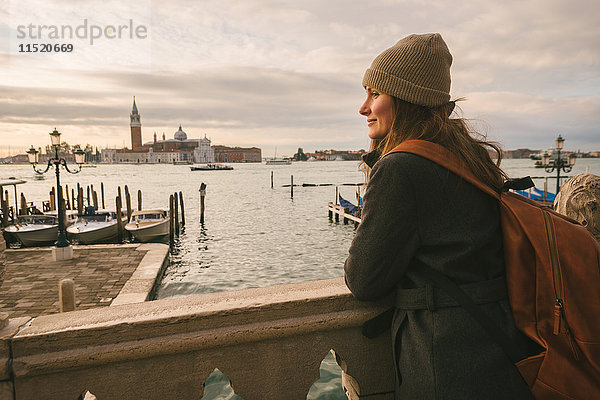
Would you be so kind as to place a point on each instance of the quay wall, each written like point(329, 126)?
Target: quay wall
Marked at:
point(268, 341)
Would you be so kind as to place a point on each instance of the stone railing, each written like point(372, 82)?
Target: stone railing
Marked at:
point(268, 341)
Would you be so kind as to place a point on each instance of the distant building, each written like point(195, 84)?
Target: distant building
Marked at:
point(178, 149)
point(519, 153)
point(237, 154)
point(336, 155)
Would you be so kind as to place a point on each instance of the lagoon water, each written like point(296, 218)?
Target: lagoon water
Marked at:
point(253, 236)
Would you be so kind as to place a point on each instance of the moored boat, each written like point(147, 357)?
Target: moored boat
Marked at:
point(34, 230)
point(95, 228)
point(148, 225)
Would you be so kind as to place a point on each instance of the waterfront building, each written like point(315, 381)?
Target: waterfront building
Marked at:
point(180, 149)
point(237, 154)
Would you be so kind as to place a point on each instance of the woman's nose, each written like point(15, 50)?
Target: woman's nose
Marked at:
point(364, 109)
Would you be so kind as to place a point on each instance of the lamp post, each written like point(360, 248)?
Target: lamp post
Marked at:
point(558, 163)
point(57, 161)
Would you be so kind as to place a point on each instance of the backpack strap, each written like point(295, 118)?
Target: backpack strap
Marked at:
point(442, 156)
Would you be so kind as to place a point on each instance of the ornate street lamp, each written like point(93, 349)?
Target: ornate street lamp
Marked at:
point(57, 161)
point(558, 163)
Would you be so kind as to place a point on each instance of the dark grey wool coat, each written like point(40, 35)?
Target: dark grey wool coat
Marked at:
point(417, 212)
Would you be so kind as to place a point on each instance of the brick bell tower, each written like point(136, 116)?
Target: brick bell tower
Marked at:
point(136, 128)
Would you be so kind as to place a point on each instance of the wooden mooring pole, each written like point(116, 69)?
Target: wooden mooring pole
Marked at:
point(53, 199)
point(119, 220)
point(128, 203)
point(202, 194)
point(271, 179)
point(102, 193)
point(68, 200)
point(139, 200)
point(291, 186)
point(171, 217)
point(176, 209)
point(182, 209)
point(79, 200)
point(66, 295)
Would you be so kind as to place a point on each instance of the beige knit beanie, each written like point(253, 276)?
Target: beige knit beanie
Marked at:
point(416, 70)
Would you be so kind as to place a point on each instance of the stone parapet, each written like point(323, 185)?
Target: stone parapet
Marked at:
point(268, 341)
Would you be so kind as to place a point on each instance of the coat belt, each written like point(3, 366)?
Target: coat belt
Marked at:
point(431, 297)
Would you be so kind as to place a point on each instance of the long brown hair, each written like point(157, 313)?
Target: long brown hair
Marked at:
point(435, 125)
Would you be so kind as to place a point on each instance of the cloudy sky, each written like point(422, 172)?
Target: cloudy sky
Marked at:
point(287, 74)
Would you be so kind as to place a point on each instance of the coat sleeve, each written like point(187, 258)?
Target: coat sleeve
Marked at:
point(387, 238)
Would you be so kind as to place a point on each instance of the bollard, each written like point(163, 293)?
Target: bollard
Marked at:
point(182, 212)
point(139, 200)
point(66, 295)
point(102, 193)
point(202, 194)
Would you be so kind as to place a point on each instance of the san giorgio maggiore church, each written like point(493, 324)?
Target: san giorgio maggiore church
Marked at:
point(180, 149)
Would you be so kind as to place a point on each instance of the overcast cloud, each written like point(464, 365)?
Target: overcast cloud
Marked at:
point(288, 73)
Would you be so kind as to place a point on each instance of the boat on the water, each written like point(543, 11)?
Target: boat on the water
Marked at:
point(211, 167)
point(278, 161)
point(38, 229)
point(148, 225)
point(99, 227)
point(34, 230)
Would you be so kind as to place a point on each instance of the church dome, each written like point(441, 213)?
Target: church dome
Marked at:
point(180, 134)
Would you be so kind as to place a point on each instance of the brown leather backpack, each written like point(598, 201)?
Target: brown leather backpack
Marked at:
point(553, 279)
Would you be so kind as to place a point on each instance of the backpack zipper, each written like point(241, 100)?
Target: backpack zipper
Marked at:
point(559, 308)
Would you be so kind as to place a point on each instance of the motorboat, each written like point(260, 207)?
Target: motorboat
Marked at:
point(211, 167)
point(38, 229)
point(278, 161)
point(148, 225)
point(34, 230)
point(97, 227)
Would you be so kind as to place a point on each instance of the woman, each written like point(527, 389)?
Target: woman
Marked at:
point(417, 216)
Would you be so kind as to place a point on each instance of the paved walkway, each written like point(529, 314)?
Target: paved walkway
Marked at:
point(31, 279)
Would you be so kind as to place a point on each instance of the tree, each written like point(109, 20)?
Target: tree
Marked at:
point(300, 156)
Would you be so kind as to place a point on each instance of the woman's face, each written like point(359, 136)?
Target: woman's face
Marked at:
point(379, 110)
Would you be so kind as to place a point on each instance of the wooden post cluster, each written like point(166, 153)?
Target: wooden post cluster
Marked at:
point(175, 222)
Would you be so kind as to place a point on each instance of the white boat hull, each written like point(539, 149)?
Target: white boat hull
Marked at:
point(146, 232)
point(35, 237)
point(93, 232)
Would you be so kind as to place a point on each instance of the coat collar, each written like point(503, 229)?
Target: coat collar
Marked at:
point(371, 158)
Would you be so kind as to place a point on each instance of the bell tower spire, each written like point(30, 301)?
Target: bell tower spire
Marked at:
point(136, 128)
